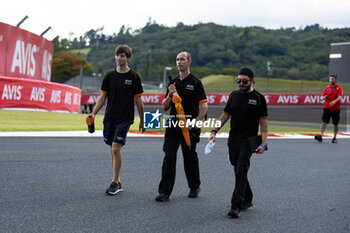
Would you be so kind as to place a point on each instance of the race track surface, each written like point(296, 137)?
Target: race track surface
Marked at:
point(57, 185)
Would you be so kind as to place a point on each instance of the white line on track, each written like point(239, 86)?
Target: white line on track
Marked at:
point(98, 133)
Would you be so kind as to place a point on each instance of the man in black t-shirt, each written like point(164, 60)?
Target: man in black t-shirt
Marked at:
point(247, 109)
point(194, 103)
point(120, 87)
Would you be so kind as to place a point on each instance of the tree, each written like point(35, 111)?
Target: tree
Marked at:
point(67, 64)
point(295, 53)
point(62, 44)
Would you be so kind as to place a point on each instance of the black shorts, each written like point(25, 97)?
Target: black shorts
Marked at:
point(115, 132)
point(327, 114)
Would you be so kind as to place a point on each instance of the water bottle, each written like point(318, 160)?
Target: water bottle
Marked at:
point(209, 147)
point(91, 124)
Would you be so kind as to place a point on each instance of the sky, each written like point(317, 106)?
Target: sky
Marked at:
point(72, 18)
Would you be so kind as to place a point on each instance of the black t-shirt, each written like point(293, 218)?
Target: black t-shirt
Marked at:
point(121, 89)
point(192, 93)
point(245, 109)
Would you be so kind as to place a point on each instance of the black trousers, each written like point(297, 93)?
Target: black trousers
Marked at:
point(240, 159)
point(172, 140)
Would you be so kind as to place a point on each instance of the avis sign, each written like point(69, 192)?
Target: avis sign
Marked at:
point(271, 99)
point(24, 54)
point(22, 93)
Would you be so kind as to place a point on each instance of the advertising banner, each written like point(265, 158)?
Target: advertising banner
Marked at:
point(24, 54)
point(281, 99)
point(221, 99)
point(3, 44)
point(155, 99)
point(23, 93)
point(89, 98)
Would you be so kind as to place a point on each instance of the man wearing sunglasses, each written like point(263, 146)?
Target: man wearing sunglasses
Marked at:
point(247, 109)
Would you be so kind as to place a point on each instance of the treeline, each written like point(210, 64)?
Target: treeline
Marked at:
point(293, 53)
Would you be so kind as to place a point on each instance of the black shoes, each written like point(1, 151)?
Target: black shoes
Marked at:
point(162, 197)
point(114, 188)
point(318, 138)
point(193, 193)
point(234, 212)
point(245, 205)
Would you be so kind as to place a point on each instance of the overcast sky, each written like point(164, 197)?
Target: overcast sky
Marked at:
point(72, 18)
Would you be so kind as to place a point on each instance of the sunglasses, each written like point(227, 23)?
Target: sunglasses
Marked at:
point(244, 81)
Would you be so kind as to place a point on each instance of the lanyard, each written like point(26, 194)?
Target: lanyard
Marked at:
point(331, 89)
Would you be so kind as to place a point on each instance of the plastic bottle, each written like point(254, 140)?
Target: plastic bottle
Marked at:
point(91, 124)
point(209, 147)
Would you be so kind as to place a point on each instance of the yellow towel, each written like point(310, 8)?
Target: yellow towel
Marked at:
point(181, 117)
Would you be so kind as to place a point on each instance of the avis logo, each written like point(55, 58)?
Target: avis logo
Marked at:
point(151, 120)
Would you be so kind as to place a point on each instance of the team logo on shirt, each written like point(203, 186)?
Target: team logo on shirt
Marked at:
point(190, 87)
point(151, 120)
point(252, 102)
point(128, 82)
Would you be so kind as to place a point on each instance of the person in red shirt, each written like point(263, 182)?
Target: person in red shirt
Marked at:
point(332, 94)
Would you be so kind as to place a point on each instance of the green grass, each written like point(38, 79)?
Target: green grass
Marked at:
point(225, 83)
point(17, 121)
point(44, 121)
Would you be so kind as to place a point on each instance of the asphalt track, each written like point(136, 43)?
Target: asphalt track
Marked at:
point(57, 185)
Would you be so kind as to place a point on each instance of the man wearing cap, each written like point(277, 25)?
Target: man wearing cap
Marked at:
point(332, 94)
point(247, 109)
